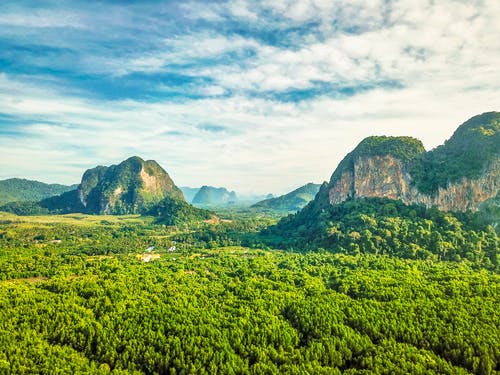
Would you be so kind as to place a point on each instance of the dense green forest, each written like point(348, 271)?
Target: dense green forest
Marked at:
point(125, 294)
point(384, 226)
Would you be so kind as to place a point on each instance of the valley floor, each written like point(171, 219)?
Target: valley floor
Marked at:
point(77, 296)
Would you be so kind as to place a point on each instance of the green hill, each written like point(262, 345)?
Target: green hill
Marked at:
point(133, 186)
point(293, 201)
point(175, 211)
point(353, 213)
point(22, 190)
point(465, 155)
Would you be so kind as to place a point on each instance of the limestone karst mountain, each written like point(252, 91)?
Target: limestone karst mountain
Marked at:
point(133, 186)
point(461, 175)
point(209, 195)
point(457, 176)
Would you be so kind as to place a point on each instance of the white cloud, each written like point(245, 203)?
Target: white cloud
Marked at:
point(417, 43)
point(181, 50)
point(212, 90)
point(445, 55)
point(276, 145)
point(404, 40)
point(204, 11)
point(240, 8)
point(42, 19)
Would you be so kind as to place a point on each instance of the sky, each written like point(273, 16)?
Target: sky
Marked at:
point(256, 96)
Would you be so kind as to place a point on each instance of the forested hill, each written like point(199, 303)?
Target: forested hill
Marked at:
point(471, 149)
point(133, 186)
point(374, 203)
point(293, 201)
point(384, 226)
point(457, 176)
point(22, 190)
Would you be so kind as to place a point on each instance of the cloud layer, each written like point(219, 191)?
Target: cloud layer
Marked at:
point(245, 94)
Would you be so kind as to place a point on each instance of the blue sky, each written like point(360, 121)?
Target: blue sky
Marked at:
point(258, 96)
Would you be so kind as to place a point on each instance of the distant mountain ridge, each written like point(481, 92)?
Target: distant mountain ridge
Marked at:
point(293, 201)
point(212, 195)
point(462, 174)
point(189, 192)
point(23, 190)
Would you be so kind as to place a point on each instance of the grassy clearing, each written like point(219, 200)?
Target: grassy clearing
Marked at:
point(75, 219)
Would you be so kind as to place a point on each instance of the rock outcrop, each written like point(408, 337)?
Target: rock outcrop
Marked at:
point(387, 176)
point(133, 186)
point(457, 176)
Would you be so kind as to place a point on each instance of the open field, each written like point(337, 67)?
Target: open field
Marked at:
point(74, 219)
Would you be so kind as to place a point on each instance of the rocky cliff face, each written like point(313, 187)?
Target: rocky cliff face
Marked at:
point(466, 194)
point(457, 176)
point(387, 176)
point(133, 186)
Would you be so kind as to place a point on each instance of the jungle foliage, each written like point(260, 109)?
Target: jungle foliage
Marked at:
point(465, 155)
point(76, 298)
point(384, 226)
